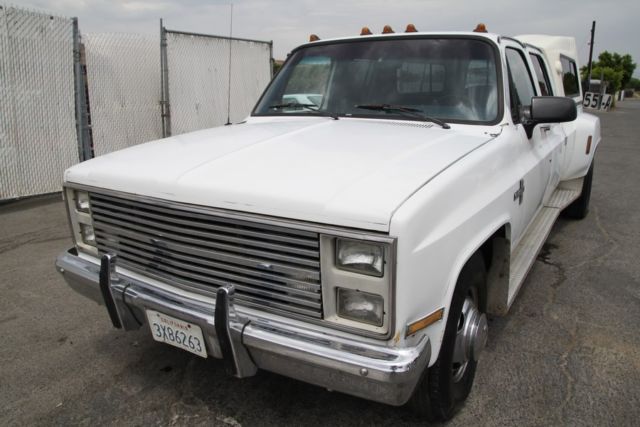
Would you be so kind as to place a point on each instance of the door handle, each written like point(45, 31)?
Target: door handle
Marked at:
point(545, 128)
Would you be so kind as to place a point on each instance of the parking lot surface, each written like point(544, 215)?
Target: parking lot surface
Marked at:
point(567, 354)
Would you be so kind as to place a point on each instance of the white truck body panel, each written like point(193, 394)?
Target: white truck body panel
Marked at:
point(289, 167)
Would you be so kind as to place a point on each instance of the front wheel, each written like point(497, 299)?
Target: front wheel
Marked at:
point(447, 383)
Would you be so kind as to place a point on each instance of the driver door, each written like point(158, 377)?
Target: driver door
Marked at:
point(536, 154)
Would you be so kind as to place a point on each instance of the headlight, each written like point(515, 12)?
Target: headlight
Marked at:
point(360, 306)
point(360, 257)
point(79, 209)
point(357, 282)
point(88, 235)
point(82, 201)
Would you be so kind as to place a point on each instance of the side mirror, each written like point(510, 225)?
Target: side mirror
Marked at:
point(548, 109)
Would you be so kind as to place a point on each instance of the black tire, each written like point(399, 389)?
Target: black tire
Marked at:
point(580, 207)
point(437, 397)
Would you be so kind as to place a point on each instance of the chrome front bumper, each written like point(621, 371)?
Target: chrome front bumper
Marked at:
point(247, 342)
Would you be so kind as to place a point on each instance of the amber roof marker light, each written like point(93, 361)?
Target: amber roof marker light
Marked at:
point(387, 30)
point(365, 31)
point(411, 29)
point(480, 28)
point(313, 38)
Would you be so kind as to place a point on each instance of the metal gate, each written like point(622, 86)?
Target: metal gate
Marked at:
point(141, 88)
point(38, 139)
point(211, 80)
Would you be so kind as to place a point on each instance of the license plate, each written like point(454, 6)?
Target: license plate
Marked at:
point(176, 332)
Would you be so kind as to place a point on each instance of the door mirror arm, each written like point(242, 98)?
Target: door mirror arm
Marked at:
point(527, 121)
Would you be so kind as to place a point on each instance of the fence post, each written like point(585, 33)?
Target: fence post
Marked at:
point(82, 125)
point(271, 62)
point(165, 109)
point(602, 90)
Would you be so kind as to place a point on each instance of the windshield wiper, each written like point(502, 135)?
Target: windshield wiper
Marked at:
point(313, 107)
point(407, 111)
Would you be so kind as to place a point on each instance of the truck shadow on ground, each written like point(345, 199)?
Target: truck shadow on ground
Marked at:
point(179, 388)
point(202, 389)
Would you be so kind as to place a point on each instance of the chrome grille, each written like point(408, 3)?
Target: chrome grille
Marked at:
point(273, 268)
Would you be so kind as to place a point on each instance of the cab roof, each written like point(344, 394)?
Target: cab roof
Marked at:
point(490, 36)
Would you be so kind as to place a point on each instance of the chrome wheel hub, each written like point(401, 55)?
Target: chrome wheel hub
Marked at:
point(471, 338)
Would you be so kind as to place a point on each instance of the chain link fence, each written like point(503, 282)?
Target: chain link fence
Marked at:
point(38, 139)
point(66, 98)
point(123, 78)
point(251, 71)
point(212, 80)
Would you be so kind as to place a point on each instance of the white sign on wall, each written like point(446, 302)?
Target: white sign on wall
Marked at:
point(592, 100)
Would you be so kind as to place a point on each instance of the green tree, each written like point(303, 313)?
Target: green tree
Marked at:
point(277, 64)
point(634, 84)
point(611, 75)
point(618, 62)
point(618, 69)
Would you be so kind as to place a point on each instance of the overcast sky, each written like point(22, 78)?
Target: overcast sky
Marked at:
point(289, 23)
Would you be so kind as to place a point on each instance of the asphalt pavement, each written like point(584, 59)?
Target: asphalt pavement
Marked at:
point(568, 353)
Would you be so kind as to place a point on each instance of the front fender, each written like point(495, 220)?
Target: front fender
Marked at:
point(441, 227)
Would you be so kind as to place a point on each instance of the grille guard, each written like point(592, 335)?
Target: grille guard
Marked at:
point(228, 325)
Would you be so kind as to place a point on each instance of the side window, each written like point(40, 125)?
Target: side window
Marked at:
point(569, 77)
point(520, 81)
point(541, 74)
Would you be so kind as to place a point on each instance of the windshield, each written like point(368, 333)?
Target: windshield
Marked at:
point(451, 79)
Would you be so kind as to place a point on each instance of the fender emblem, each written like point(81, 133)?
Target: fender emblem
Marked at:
point(519, 194)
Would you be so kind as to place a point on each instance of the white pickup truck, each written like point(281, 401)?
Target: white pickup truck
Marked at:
point(385, 195)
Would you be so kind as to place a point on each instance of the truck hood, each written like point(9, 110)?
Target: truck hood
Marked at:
point(349, 172)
